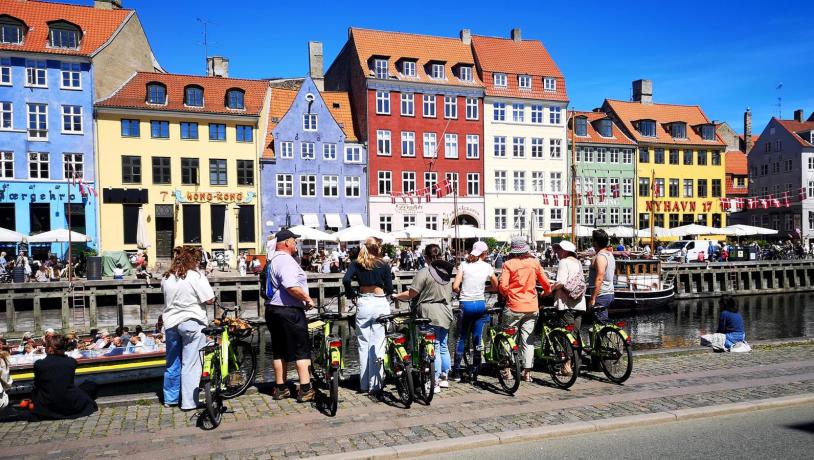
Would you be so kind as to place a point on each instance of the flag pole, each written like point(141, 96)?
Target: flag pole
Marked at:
point(573, 181)
point(652, 212)
point(70, 249)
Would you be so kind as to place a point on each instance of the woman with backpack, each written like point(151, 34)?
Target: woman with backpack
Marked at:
point(569, 289)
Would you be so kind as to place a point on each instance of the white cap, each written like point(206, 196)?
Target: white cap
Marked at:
point(566, 246)
point(479, 248)
point(49, 331)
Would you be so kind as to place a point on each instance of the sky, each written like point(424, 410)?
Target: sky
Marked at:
point(723, 56)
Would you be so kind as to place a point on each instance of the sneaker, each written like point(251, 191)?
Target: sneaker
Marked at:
point(437, 387)
point(455, 376)
point(280, 393)
point(306, 396)
point(444, 383)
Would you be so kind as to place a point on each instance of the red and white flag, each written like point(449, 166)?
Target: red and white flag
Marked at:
point(545, 199)
point(802, 194)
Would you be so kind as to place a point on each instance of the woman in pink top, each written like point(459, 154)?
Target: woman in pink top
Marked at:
point(518, 284)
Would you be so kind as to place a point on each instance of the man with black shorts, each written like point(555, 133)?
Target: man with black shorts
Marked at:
point(285, 317)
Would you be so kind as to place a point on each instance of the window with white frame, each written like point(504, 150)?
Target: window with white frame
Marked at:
point(72, 119)
point(472, 111)
point(614, 216)
point(450, 145)
point(36, 73)
point(385, 182)
point(537, 114)
point(499, 79)
point(383, 102)
point(407, 144)
point(524, 81)
point(601, 155)
point(71, 76)
point(614, 156)
point(329, 151)
point(500, 219)
point(450, 107)
point(627, 216)
point(555, 215)
point(330, 186)
point(430, 145)
point(588, 184)
point(429, 105)
point(519, 218)
point(383, 142)
point(472, 184)
point(307, 151)
point(499, 111)
point(431, 222)
point(555, 148)
point(353, 186)
point(554, 115)
point(386, 223)
point(602, 185)
point(518, 147)
point(380, 68)
point(627, 187)
point(519, 181)
point(500, 146)
point(500, 181)
point(38, 165)
point(437, 71)
point(37, 121)
point(309, 121)
point(538, 214)
point(472, 146)
point(5, 71)
point(465, 72)
point(627, 156)
point(555, 182)
point(73, 166)
point(537, 147)
point(408, 68)
point(550, 84)
point(7, 165)
point(353, 154)
point(518, 111)
point(308, 185)
point(430, 180)
point(408, 104)
point(408, 221)
point(408, 184)
point(287, 150)
point(452, 178)
point(613, 183)
point(537, 181)
point(6, 115)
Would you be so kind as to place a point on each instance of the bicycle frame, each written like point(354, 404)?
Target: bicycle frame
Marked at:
point(217, 349)
point(490, 353)
point(397, 344)
point(420, 339)
point(593, 334)
point(543, 351)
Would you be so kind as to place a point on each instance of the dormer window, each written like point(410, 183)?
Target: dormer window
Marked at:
point(499, 79)
point(550, 84)
point(647, 128)
point(156, 93)
point(380, 68)
point(437, 71)
point(604, 128)
point(581, 126)
point(63, 35)
point(235, 99)
point(465, 73)
point(708, 132)
point(309, 122)
point(678, 130)
point(193, 96)
point(408, 68)
point(11, 30)
point(524, 82)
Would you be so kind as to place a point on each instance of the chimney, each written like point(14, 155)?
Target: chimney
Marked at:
point(799, 114)
point(217, 66)
point(643, 91)
point(466, 37)
point(516, 35)
point(315, 66)
point(107, 4)
point(747, 130)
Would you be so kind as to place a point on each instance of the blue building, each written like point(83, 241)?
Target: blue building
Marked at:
point(50, 56)
point(313, 168)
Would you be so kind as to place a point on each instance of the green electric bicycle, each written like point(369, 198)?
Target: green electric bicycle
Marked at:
point(557, 349)
point(609, 348)
point(422, 350)
point(326, 361)
point(397, 362)
point(500, 352)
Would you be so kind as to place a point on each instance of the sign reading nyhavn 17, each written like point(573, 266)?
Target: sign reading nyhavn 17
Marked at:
point(677, 206)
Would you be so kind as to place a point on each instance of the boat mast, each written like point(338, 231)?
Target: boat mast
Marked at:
point(573, 181)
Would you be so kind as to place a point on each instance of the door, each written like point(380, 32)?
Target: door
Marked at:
point(164, 230)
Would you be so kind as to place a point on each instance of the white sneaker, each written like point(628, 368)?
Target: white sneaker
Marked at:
point(437, 387)
point(444, 383)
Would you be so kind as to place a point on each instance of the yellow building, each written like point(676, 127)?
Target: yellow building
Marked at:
point(184, 151)
point(680, 165)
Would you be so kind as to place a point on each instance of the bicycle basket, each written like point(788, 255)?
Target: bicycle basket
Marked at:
point(238, 327)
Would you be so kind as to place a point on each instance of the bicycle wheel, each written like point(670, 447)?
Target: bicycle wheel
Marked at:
point(332, 377)
point(214, 400)
point(404, 381)
point(508, 366)
point(615, 355)
point(562, 353)
point(242, 369)
point(426, 379)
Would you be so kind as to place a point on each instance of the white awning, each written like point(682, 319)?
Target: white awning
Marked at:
point(333, 221)
point(310, 220)
point(355, 219)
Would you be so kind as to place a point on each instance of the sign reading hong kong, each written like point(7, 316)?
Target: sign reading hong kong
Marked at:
point(209, 197)
point(678, 206)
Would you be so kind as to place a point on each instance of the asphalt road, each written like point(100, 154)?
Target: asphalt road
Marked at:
point(764, 434)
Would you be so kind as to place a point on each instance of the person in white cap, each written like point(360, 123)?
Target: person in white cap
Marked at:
point(470, 284)
point(569, 275)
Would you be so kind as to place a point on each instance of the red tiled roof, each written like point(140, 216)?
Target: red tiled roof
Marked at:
point(732, 190)
point(593, 137)
point(133, 94)
point(526, 57)
point(736, 163)
point(794, 127)
point(628, 112)
point(423, 48)
point(97, 25)
point(338, 103)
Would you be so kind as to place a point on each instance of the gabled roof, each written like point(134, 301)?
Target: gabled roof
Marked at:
point(338, 103)
point(593, 136)
point(628, 112)
point(423, 48)
point(794, 127)
point(736, 163)
point(281, 100)
point(525, 57)
point(97, 25)
point(133, 94)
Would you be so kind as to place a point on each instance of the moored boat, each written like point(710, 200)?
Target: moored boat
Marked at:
point(640, 283)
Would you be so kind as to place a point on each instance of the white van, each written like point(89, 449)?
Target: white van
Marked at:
point(686, 251)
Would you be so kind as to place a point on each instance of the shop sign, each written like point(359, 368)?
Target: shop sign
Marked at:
point(409, 209)
point(209, 197)
point(677, 206)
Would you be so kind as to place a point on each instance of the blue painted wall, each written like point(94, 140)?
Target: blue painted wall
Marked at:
point(21, 190)
point(284, 211)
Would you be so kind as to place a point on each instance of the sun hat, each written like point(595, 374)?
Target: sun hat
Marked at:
point(566, 246)
point(478, 248)
point(519, 246)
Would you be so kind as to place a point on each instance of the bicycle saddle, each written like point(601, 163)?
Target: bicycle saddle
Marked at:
point(330, 315)
point(212, 330)
point(494, 310)
point(384, 319)
point(419, 321)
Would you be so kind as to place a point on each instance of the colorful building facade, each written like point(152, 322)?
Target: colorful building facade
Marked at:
point(184, 150)
point(418, 103)
point(313, 167)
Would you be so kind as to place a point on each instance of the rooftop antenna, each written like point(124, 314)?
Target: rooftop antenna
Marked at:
point(205, 43)
point(780, 100)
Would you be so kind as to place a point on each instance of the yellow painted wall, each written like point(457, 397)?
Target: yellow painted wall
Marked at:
point(111, 146)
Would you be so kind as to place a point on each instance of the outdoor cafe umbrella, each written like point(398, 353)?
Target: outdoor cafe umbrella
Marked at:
point(695, 229)
point(308, 233)
point(621, 232)
point(466, 232)
point(10, 236)
point(142, 240)
point(659, 231)
point(415, 232)
point(58, 236)
point(358, 233)
point(748, 230)
point(582, 232)
point(228, 242)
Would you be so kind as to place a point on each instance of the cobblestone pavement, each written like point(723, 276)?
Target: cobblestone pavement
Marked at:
point(259, 427)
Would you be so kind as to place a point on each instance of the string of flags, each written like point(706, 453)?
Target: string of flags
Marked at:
point(85, 189)
point(780, 200)
point(440, 190)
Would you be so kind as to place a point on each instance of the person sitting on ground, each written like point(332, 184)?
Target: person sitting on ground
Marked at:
point(730, 323)
point(118, 272)
point(56, 396)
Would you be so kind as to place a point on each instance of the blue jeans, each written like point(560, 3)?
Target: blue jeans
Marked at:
point(442, 361)
point(183, 372)
point(603, 301)
point(733, 337)
point(473, 318)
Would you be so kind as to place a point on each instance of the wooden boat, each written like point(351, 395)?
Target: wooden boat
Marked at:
point(640, 283)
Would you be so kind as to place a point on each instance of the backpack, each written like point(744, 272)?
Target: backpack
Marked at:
point(266, 286)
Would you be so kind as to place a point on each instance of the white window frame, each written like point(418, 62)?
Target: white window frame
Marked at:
point(549, 84)
point(431, 221)
point(6, 115)
point(450, 107)
point(538, 181)
point(74, 74)
point(555, 115)
point(627, 186)
point(353, 154)
point(76, 161)
point(408, 220)
point(518, 113)
point(465, 73)
point(380, 69)
point(519, 218)
point(472, 184)
point(286, 150)
point(430, 180)
point(627, 156)
point(329, 151)
point(429, 106)
point(524, 81)
point(499, 111)
point(384, 144)
point(383, 102)
point(34, 69)
point(309, 122)
point(407, 104)
point(386, 223)
point(430, 145)
point(39, 128)
point(408, 69)
point(353, 186)
point(501, 181)
point(384, 178)
point(308, 153)
point(6, 75)
point(452, 178)
point(408, 144)
point(472, 110)
point(499, 147)
point(408, 182)
point(472, 146)
point(501, 219)
point(627, 216)
point(537, 114)
point(538, 148)
point(518, 147)
point(450, 145)
point(437, 72)
point(73, 119)
point(539, 217)
point(309, 181)
point(555, 215)
point(613, 156)
point(499, 80)
point(519, 181)
point(555, 148)
point(330, 186)
point(42, 160)
point(555, 182)
point(6, 164)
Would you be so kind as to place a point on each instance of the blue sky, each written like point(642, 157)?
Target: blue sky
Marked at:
point(723, 56)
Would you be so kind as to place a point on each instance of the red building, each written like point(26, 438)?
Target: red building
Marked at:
point(419, 106)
